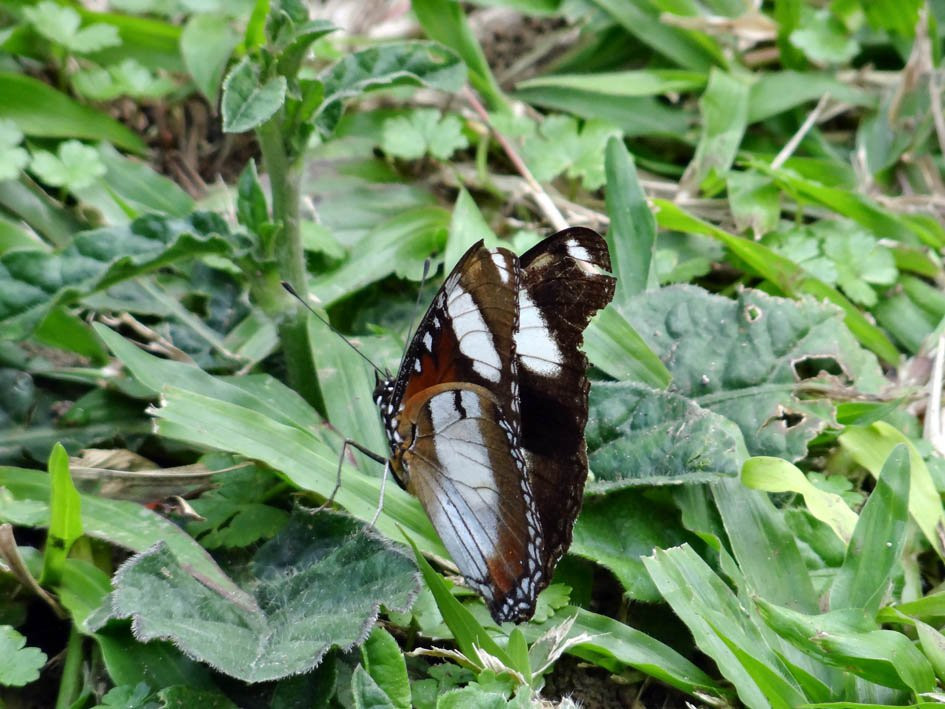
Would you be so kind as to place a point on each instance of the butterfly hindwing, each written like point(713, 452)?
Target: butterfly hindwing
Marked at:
point(564, 282)
point(467, 470)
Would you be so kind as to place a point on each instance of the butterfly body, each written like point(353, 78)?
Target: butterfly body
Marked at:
point(485, 419)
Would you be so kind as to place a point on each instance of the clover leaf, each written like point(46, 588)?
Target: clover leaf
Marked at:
point(12, 157)
point(423, 131)
point(60, 24)
point(20, 665)
point(74, 166)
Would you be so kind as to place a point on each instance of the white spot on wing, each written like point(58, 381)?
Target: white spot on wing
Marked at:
point(534, 341)
point(576, 251)
point(473, 336)
point(428, 341)
point(501, 265)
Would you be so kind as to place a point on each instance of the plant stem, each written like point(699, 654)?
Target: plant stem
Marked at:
point(284, 192)
point(71, 671)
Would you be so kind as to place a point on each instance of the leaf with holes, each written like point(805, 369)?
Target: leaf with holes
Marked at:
point(751, 358)
point(318, 584)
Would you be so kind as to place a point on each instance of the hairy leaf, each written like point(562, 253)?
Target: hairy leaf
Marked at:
point(317, 585)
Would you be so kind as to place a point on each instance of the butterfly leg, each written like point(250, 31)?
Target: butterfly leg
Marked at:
point(380, 499)
point(341, 459)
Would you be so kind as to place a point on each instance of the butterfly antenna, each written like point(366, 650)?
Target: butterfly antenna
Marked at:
point(294, 294)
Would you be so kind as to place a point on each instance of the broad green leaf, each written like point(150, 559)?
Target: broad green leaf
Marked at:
point(472, 696)
point(640, 82)
point(614, 346)
point(778, 475)
point(844, 639)
point(749, 364)
point(82, 591)
point(632, 233)
point(706, 604)
point(248, 101)
point(73, 166)
point(125, 524)
point(65, 517)
point(871, 446)
point(724, 112)
point(140, 187)
point(206, 44)
point(12, 157)
point(40, 111)
point(445, 21)
point(787, 276)
point(418, 63)
point(618, 529)
point(775, 92)
point(400, 245)
point(60, 24)
point(905, 320)
point(156, 663)
point(384, 662)
point(317, 585)
point(422, 131)
point(823, 38)
point(21, 664)
point(689, 49)
point(933, 645)
point(129, 78)
point(755, 202)
point(365, 692)
point(641, 436)
point(873, 554)
point(296, 453)
point(24, 200)
point(562, 146)
point(32, 282)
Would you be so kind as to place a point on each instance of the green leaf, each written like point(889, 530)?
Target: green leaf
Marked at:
point(871, 446)
point(561, 146)
point(317, 585)
point(787, 276)
point(129, 78)
point(708, 607)
point(614, 346)
point(40, 111)
point(640, 436)
point(778, 475)
point(418, 63)
point(467, 226)
point(206, 44)
point(156, 663)
point(125, 524)
point(65, 517)
point(12, 157)
point(823, 39)
point(248, 102)
point(873, 554)
point(775, 92)
point(467, 631)
point(300, 40)
point(21, 664)
point(755, 202)
point(32, 282)
point(724, 111)
point(445, 21)
point(60, 24)
point(632, 233)
point(72, 167)
point(400, 244)
point(384, 662)
point(638, 82)
point(365, 692)
point(844, 639)
point(618, 529)
point(933, 645)
point(141, 188)
point(423, 131)
point(747, 367)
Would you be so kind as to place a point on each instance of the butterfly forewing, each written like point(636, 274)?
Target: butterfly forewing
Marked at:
point(563, 284)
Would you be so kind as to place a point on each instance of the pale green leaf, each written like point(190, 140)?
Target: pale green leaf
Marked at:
point(21, 664)
point(248, 102)
point(75, 165)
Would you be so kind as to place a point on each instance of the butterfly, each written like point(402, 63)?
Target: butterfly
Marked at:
point(485, 417)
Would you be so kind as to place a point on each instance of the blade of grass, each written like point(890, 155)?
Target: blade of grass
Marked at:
point(65, 517)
